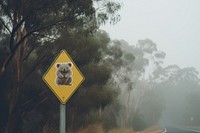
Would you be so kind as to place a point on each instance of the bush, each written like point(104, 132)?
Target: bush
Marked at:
point(138, 123)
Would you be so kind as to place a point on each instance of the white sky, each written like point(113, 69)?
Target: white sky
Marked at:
point(174, 25)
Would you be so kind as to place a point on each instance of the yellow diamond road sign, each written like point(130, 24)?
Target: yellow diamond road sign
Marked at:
point(63, 77)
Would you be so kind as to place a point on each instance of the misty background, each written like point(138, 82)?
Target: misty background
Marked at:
point(174, 26)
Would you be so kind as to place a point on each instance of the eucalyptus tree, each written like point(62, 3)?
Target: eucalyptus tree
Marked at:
point(134, 77)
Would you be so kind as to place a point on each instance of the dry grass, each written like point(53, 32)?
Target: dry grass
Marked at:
point(121, 131)
point(97, 128)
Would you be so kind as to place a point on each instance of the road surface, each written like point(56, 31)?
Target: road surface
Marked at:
point(180, 130)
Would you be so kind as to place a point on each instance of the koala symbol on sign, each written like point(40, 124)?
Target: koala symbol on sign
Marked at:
point(64, 73)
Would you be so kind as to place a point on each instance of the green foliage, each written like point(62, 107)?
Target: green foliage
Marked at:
point(94, 94)
point(37, 101)
point(37, 22)
point(96, 74)
point(129, 57)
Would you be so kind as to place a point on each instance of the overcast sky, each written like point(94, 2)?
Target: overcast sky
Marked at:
point(174, 25)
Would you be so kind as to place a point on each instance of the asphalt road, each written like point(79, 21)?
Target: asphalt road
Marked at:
point(180, 130)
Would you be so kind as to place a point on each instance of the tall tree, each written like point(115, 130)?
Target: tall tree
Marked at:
point(23, 19)
point(135, 77)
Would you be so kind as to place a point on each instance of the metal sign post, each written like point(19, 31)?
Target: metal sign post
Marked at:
point(62, 118)
point(63, 77)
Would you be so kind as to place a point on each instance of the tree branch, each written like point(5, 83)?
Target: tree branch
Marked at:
point(31, 99)
point(5, 10)
point(29, 52)
point(15, 29)
point(4, 25)
point(13, 50)
point(33, 68)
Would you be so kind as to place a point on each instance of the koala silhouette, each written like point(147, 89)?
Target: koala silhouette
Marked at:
point(64, 73)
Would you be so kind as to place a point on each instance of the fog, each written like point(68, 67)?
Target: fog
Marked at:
point(140, 60)
point(172, 24)
point(154, 94)
point(172, 27)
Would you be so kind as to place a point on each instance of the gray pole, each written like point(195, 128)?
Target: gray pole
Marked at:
point(62, 118)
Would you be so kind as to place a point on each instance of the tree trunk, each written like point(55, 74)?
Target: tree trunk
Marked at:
point(14, 117)
point(15, 113)
point(14, 122)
